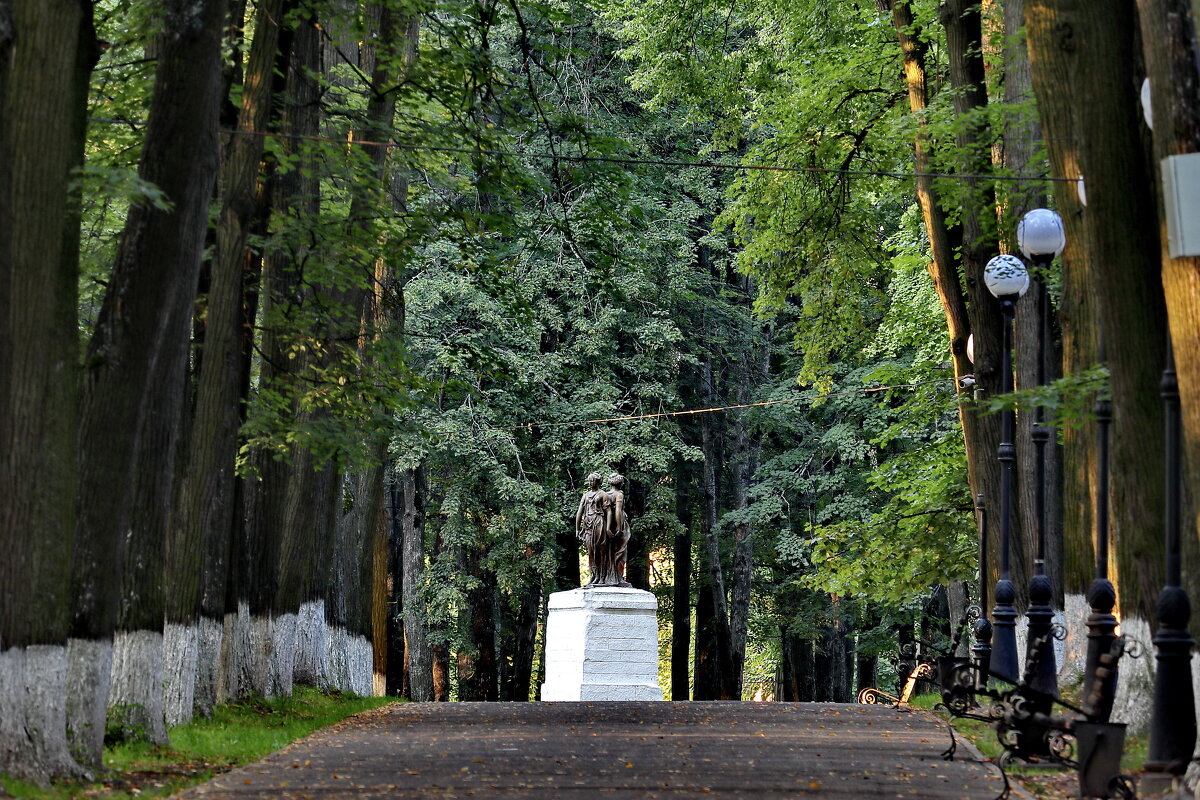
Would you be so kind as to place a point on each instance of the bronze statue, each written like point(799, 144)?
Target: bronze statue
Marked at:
point(603, 527)
point(620, 527)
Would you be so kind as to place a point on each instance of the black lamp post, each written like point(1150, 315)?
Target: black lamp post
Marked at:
point(1101, 596)
point(1173, 726)
point(1040, 236)
point(1007, 279)
point(981, 652)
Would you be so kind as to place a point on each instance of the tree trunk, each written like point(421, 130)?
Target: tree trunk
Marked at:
point(477, 674)
point(1170, 48)
point(518, 636)
point(754, 372)
point(1084, 57)
point(135, 376)
point(981, 435)
point(416, 630)
point(441, 673)
point(1018, 155)
point(867, 669)
point(706, 679)
point(962, 20)
point(205, 512)
point(47, 50)
point(681, 606)
point(637, 565)
point(722, 644)
point(397, 657)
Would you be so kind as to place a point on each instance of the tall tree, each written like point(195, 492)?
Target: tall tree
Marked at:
point(1082, 63)
point(47, 50)
point(204, 516)
point(133, 387)
point(1170, 51)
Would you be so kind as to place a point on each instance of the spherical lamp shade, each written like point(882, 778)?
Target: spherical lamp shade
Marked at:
point(971, 348)
point(1006, 276)
point(1040, 235)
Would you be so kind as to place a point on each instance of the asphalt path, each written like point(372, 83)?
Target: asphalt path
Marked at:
point(572, 751)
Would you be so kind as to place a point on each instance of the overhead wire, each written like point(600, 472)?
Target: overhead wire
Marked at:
point(663, 162)
point(663, 414)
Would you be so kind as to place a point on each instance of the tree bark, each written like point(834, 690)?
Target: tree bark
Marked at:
point(198, 541)
point(722, 644)
point(397, 655)
point(477, 674)
point(416, 630)
point(1084, 56)
point(135, 374)
point(746, 446)
point(441, 673)
point(518, 636)
point(47, 50)
point(1017, 155)
point(681, 606)
point(706, 680)
point(1170, 51)
point(637, 565)
point(962, 20)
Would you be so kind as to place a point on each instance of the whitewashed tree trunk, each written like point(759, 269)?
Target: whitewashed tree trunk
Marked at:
point(89, 668)
point(209, 638)
point(1073, 656)
point(257, 658)
point(180, 655)
point(33, 713)
point(229, 670)
point(1135, 678)
point(339, 669)
point(137, 682)
point(283, 654)
point(312, 645)
point(364, 667)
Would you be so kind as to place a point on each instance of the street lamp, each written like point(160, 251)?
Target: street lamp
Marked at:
point(1099, 690)
point(1173, 726)
point(1007, 279)
point(981, 652)
point(1041, 237)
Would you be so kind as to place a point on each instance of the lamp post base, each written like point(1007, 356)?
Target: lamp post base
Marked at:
point(1004, 638)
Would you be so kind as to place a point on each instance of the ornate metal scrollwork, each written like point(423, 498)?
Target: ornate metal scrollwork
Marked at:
point(872, 696)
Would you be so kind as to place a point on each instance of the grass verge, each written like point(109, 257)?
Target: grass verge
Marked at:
point(237, 734)
point(1044, 783)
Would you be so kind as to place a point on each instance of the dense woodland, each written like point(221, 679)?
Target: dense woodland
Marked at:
point(314, 314)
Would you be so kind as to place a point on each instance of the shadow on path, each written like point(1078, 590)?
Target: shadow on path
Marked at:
point(572, 751)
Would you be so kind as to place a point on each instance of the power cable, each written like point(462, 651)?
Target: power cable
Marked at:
point(663, 414)
point(625, 160)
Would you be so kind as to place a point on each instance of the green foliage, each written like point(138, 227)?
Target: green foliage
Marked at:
point(1068, 402)
point(517, 292)
point(120, 727)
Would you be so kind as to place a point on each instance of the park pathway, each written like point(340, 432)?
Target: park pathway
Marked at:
point(572, 751)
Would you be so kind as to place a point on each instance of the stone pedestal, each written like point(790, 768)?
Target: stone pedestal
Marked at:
point(602, 644)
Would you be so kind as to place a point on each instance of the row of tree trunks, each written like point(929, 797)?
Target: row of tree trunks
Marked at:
point(1084, 63)
point(198, 546)
point(1170, 51)
point(1017, 154)
point(47, 50)
point(823, 670)
point(718, 680)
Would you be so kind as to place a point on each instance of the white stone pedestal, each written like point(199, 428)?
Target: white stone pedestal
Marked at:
point(602, 644)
